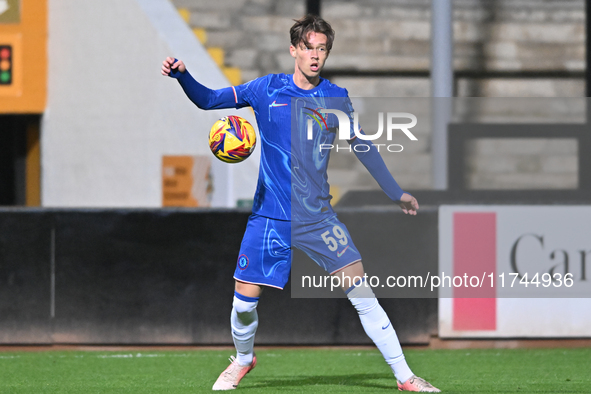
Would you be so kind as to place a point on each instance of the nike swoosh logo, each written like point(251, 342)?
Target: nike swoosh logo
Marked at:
point(386, 326)
point(339, 254)
point(275, 104)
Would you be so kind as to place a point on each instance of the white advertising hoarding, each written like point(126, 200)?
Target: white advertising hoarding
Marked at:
point(515, 271)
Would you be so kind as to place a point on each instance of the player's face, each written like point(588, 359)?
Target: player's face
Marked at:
point(310, 59)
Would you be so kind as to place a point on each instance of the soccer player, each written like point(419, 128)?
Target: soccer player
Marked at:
point(292, 201)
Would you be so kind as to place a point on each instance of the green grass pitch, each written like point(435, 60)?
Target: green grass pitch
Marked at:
point(295, 371)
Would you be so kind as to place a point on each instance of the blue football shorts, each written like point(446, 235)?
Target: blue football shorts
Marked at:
point(266, 250)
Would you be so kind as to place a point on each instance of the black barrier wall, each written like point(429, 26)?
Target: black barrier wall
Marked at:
point(165, 277)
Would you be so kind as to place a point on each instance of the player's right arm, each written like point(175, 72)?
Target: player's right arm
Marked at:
point(200, 95)
point(372, 160)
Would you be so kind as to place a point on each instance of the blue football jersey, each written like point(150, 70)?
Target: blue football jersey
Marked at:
point(297, 131)
point(293, 183)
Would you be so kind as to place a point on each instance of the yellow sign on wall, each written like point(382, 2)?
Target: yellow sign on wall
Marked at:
point(186, 181)
point(10, 11)
point(23, 70)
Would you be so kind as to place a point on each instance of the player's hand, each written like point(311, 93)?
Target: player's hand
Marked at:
point(409, 204)
point(169, 64)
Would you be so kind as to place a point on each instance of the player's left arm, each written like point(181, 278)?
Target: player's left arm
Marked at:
point(372, 160)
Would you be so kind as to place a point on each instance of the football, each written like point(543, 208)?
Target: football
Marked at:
point(232, 139)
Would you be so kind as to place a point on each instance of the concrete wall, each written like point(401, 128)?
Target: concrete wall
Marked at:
point(394, 35)
point(111, 115)
point(378, 42)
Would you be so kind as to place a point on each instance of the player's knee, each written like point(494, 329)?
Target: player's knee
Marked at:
point(244, 306)
point(363, 299)
point(361, 290)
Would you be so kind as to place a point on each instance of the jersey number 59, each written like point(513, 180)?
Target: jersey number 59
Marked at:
point(331, 242)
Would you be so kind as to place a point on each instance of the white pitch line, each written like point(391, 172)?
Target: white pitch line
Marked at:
point(52, 276)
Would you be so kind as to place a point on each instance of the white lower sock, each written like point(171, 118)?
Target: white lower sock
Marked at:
point(244, 320)
point(377, 326)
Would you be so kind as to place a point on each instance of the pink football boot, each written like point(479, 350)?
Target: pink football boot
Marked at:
point(232, 375)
